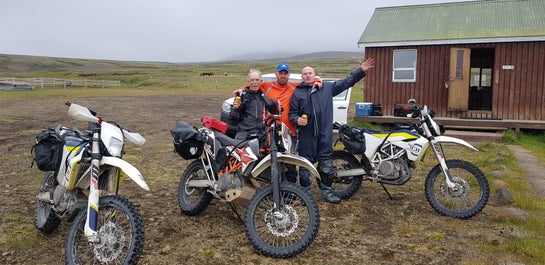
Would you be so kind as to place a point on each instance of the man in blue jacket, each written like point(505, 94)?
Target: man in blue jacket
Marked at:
point(315, 133)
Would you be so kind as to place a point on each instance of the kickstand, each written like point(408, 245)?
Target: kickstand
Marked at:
point(386, 190)
point(234, 208)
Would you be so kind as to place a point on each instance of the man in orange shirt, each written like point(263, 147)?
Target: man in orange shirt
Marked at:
point(282, 89)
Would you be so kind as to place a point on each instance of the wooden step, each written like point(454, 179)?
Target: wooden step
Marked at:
point(472, 136)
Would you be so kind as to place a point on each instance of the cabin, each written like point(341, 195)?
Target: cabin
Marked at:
point(478, 64)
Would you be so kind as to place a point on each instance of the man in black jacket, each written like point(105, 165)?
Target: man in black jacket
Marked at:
point(315, 133)
point(252, 109)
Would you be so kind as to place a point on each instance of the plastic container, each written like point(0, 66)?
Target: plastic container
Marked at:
point(364, 108)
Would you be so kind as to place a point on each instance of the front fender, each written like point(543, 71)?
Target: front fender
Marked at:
point(127, 168)
point(285, 158)
point(448, 139)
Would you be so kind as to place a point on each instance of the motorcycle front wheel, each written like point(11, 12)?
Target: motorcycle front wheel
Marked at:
point(289, 231)
point(345, 187)
point(46, 220)
point(120, 235)
point(193, 201)
point(466, 199)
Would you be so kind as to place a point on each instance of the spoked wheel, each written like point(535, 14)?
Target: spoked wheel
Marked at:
point(289, 231)
point(120, 235)
point(193, 200)
point(345, 187)
point(466, 199)
point(46, 220)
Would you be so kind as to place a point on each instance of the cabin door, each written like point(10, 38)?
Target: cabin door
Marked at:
point(458, 86)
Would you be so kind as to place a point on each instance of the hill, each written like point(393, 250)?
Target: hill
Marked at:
point(24, 63)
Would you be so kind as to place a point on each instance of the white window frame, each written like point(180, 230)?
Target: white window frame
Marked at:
point(406, 66)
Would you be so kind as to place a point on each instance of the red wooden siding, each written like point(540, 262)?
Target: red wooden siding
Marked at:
point(517, 93)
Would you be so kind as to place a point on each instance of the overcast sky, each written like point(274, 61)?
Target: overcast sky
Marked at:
point(184, 30)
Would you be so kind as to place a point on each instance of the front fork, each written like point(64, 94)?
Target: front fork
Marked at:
point(437, 150)
point(275, 177)
point(91, 223)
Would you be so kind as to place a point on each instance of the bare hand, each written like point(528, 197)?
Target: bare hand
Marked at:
point(238, 92)
point(301, 122)
point(368, 64)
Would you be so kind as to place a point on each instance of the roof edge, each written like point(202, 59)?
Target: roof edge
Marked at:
point(453, 41)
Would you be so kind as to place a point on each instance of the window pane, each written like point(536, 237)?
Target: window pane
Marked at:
point(460, 64)
point(404, 75)
point(404, 58)
point(404, 69)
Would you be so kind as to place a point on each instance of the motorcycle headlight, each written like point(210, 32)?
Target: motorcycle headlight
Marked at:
point(286, 138)
point(227, 105)
point(115, 147)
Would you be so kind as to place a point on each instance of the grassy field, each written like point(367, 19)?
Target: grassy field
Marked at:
point(143, 79)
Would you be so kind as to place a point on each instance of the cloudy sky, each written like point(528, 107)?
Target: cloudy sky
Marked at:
point(184, 30)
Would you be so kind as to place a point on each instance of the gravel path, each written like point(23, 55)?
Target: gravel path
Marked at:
point(534, 170)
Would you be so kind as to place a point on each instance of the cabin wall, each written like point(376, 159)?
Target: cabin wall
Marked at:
point(517, 88)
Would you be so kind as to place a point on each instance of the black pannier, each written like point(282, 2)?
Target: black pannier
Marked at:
point(48, 150)
point(353, 138)
point(188, 141)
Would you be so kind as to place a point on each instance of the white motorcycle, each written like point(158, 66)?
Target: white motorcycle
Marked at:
point(83, 174)
point(454, 188)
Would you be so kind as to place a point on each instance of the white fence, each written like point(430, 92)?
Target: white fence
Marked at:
point(64, 83)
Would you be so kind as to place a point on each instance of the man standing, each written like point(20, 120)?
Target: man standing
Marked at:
point(316, 130)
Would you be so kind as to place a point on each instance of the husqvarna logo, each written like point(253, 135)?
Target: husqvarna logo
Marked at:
point(415, 149)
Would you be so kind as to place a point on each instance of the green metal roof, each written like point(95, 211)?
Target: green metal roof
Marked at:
point(461, 22)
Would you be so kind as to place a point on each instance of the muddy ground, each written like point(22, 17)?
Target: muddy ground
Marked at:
point(366, 229)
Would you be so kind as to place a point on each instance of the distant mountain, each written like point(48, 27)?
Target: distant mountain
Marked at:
point(291, 57)
point(24, 63)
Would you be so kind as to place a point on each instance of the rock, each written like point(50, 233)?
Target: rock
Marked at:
point(165, 250)
point(501, 197)
point(511, 232)
point(498, 184)
point(509, 213)
point(497, 174)
point(495, 160)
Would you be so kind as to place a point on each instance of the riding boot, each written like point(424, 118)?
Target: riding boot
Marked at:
point(325, 168)
point(304, 178)
point(328, 195)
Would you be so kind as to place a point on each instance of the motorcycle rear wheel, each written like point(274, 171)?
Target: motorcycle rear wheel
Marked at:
point(193, 201)
point(345, 187)
point(290, 233)
point(120, 232)
point(46, 219)
point(467, 199)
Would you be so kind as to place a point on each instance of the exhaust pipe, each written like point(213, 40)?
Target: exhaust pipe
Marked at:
point(199, 183)
point(351, 172)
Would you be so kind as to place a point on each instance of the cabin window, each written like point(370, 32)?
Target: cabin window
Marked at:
point(404, 66)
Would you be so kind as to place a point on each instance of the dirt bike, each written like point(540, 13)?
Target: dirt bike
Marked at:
point(281, 218)
point(83, 174)
point(454, 188)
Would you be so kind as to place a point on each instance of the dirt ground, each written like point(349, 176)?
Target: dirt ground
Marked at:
point(366, 229)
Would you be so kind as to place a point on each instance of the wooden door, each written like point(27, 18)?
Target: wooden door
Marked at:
point(458, 87)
